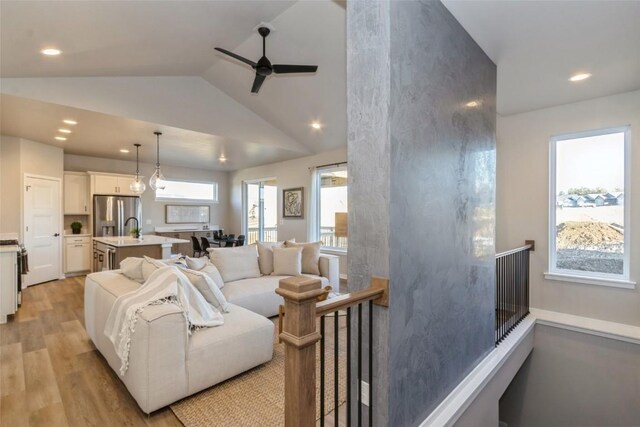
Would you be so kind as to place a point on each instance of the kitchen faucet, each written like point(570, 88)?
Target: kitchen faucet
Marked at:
point(137, 225)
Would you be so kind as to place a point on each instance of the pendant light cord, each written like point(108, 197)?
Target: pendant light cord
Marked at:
point(158, 149)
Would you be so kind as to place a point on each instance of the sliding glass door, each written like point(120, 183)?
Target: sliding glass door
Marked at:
point(261, 210)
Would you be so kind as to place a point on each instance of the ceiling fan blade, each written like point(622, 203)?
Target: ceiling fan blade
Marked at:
point(238, 57)
point(257, 83)
point(282, 69)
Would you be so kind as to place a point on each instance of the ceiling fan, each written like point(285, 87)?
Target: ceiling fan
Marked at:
point(264, 67)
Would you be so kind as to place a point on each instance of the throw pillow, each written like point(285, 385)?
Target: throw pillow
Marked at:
point(287, 261)
point(211, 271)
point(149, 265)
point(132, 268)
point(196, 263)
point(265, 256)
point(310, 255)
point(207, 287)
point(236, 263)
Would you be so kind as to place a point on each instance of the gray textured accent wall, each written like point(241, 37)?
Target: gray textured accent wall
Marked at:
point(422, 189)
point(369, 169)
point(442, 207)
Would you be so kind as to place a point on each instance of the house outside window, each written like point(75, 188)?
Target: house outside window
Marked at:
point(589, 208)
point(332, 207)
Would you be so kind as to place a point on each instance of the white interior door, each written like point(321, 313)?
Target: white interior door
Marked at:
point(42, 229)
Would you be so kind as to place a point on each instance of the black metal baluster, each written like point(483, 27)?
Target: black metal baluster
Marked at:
point(370, 362)
point(322, 371)
point(348, 401)
point(359, 365)
point(336, 367)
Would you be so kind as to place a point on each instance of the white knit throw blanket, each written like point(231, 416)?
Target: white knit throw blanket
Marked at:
point(167, 285)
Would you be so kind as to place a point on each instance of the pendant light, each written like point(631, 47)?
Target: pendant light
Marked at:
point(137, 186)
point(156, 182)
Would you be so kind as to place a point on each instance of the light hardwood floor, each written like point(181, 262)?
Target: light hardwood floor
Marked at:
point(52, 375)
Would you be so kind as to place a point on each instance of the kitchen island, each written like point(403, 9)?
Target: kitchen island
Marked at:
point(108, 252)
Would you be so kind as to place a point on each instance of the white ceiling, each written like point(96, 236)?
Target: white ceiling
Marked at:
point(103, 135)
point(124, 38)
point(538, 45)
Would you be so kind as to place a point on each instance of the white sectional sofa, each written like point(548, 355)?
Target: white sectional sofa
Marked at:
point(165, 364)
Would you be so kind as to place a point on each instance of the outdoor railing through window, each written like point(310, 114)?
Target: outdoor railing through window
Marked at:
point(327, 236)
point(512, 288)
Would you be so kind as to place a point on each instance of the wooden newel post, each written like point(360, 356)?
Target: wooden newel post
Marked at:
point(300, 336)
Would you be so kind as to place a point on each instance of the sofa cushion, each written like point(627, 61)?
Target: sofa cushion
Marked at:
point(310, 255)
point(114, 282)
point(216, 354)
point(287, 261)
point(236, 263)
point(259, 294)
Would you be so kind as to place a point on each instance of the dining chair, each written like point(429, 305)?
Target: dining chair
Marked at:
point(197, 250)
point(230, 241)
point(205, 244)
point(240, 241)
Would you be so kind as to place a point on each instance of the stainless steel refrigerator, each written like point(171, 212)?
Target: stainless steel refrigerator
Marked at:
point(111, 212)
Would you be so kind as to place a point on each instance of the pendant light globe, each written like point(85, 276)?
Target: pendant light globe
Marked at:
point(156, 182)
point(137, 186)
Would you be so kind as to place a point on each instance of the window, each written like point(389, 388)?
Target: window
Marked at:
point(332, 207)
point(588, 211)
point(189, 191)
point(261, 210)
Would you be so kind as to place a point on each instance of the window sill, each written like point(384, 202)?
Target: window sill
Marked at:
point(587, 280)
point(332, 251)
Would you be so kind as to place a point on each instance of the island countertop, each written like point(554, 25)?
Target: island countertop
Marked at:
point(146, 240)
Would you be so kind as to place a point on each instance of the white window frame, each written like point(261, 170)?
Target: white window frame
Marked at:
point(318, 195)
point(216, 196)
point(587, 277)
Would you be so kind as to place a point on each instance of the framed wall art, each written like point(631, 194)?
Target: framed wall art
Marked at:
point(293, 203)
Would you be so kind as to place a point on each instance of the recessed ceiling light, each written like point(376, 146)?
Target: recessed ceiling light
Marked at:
point(51, 51)
point(124, 150)
point(222, 158)
point(64, 130)
point(60, 138)
point(70, 122)
point(316, 125)
point(472, 104)
point(579, 77)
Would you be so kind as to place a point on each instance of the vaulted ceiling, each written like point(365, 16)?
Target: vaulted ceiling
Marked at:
point(130, 67)
point(154, 63)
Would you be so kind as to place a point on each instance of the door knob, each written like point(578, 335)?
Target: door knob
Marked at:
point(56, 235)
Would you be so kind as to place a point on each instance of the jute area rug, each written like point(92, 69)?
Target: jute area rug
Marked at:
point(256, 397)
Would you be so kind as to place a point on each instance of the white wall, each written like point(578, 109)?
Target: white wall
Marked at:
point(289, 174)
point(9, 184)
point(152, 210)
point(19, 157)
point(575, 379)
point(522, 200)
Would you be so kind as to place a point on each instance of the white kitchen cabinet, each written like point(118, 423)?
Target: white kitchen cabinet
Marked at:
point(8, 281)
point(111, 184)
point(77, 255)
point(76, 193)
